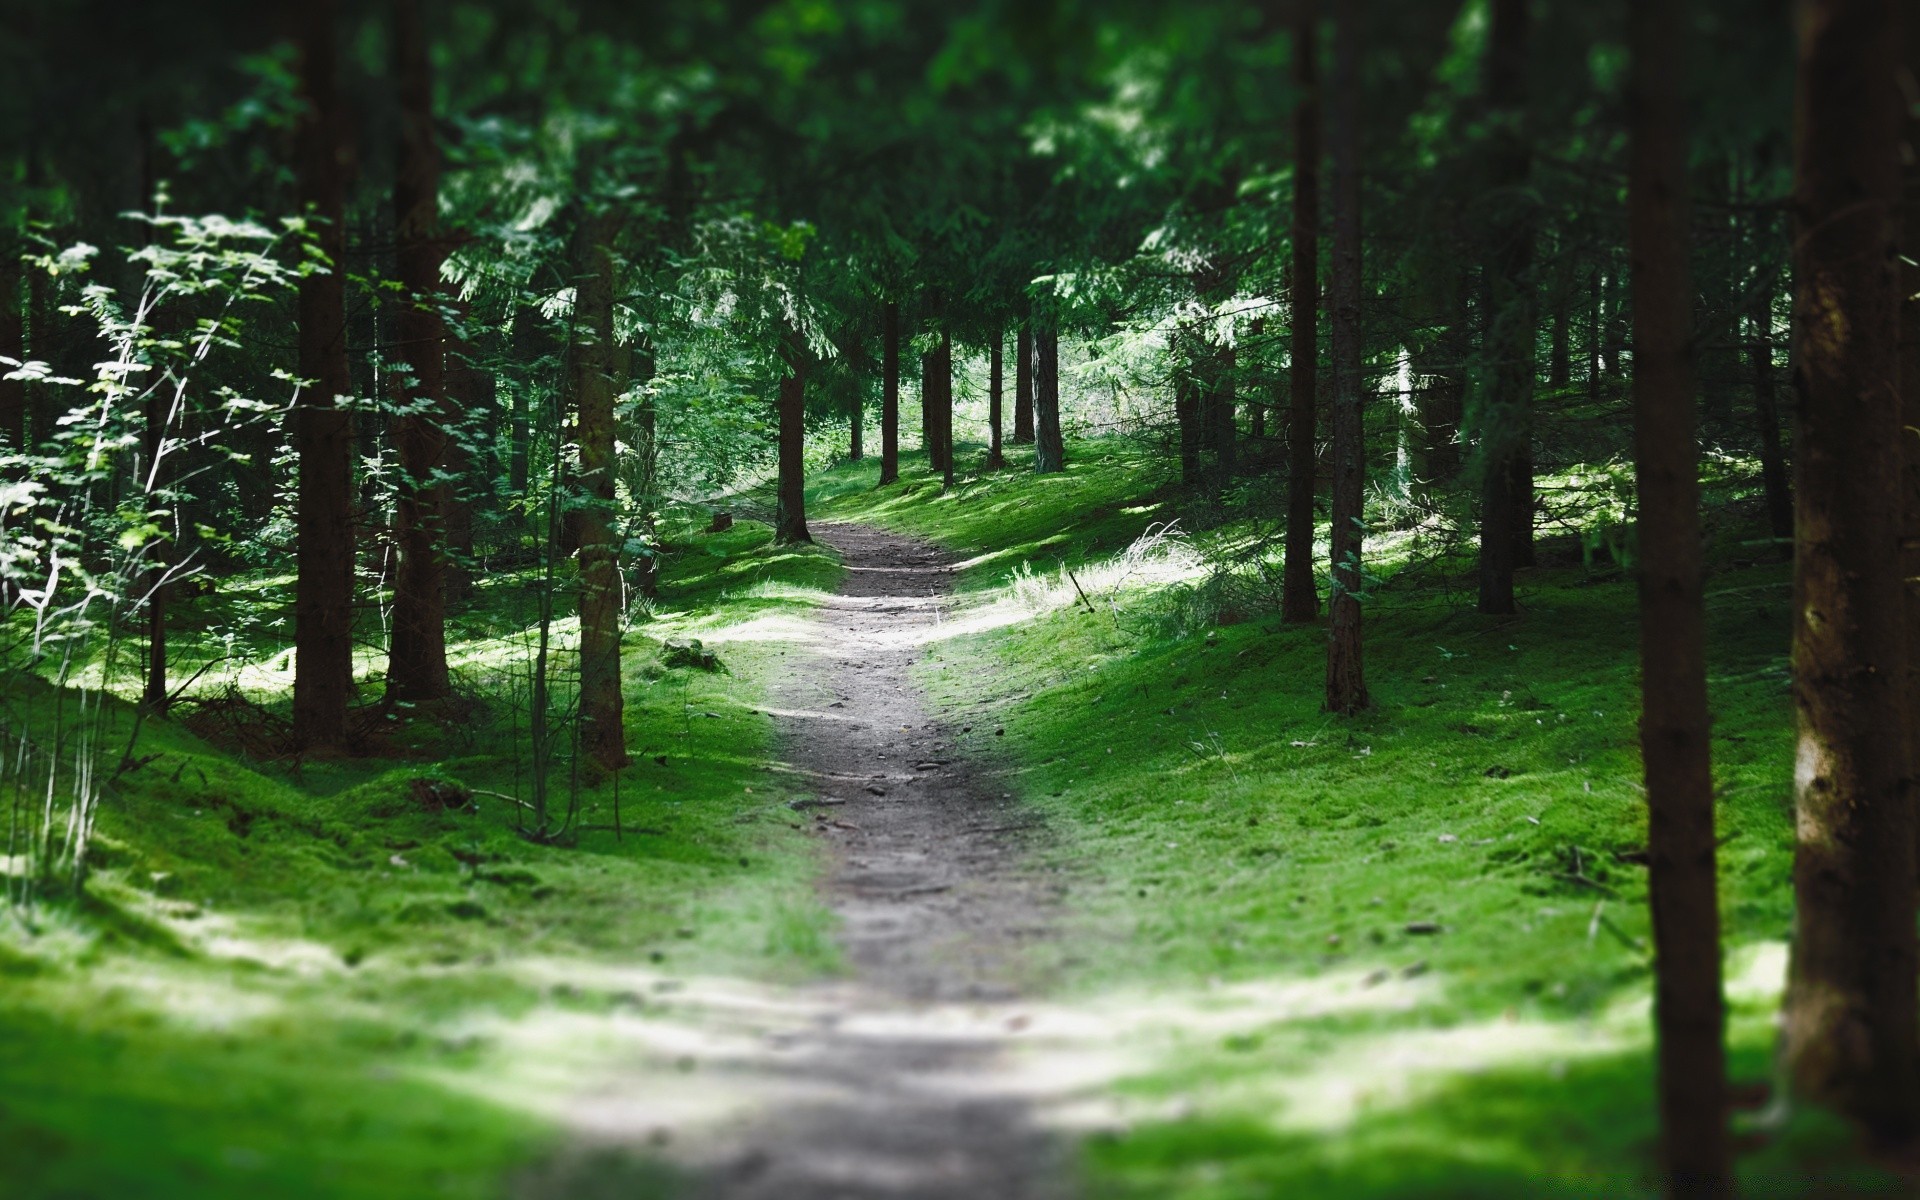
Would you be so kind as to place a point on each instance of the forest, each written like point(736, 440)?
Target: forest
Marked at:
point(990, 600)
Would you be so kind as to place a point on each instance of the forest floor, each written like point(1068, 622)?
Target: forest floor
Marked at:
point(1008, 854)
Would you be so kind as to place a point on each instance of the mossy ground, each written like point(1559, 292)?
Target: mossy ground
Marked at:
point(1475, 833)
point(255, 996)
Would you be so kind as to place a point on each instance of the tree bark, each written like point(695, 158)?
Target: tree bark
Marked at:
point(13, 340)
point(1346, 681)
point(594, 387)
point(1221, 400)
point(1909, 367)
point(323, 435)
point(930, 440)
point(1050, 452)
point(1674, 722)
point(889, 393)
point(1299, 595)
point(1023, 386)
point(790, 519)
point(856, 427)
point(1186, 407)
point(1849, 1027)
point(646, 447)
point(943, 404)
point(1506, 494)
point(1766, 408)
point(417, 662)
point(995, 461)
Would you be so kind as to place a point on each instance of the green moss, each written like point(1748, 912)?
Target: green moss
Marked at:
point(246, 1001)
point(1477, 832)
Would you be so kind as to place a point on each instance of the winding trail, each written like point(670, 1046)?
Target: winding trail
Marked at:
point(937, 904)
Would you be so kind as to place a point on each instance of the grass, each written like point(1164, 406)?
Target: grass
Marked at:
point(1471, 841)
point(262, 991)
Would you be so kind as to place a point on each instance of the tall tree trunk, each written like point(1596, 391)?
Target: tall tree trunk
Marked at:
point(594, 387)
point(943, 404)
point(13, 339)
point(1674, 722)
point(417, 664)
point(1506, 494)
point(1257, 385)
point(1909, 370)
point(1849, 1027)
point(473, 399)
point(1596, 333)
point(1221, 399)
point(994, 458)
point(1299, 595)
point(1766, 408)
point(856, 427)
point(1023, 385)
point(323, 434)
point(790, 518)
point(1186, 407)
point(889, 393)
point(930, 408)
point(1050, 452)
point(1560, 356)
point(646, 446)
point(1346, 681)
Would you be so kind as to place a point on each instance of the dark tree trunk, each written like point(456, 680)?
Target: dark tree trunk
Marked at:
point(1506, 504)
point(889, 393)
point(1909, 373)
point(13, 342)
point(790, 519)
point(1050, 452)
point(1346, 681)
point(1560, 356)
point(994, 456)
point(856, 427)
point(1674, 722)
point(473, 399)
point(1299, 596)
point(1221, 426)
point(1596, 333)
point(930, 440)
point(417, 663)
point(1849, 1024)
point(1766, 410)
point(323, 433)
point(594, 386)
point(1023, 386)
point(1186, 408)
point(1257, 385)
point(645, 439)
point(943, 404)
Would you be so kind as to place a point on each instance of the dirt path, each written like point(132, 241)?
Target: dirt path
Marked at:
point(937, 902)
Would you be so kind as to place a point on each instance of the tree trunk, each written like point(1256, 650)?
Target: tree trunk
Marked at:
point(889, 393)
point(1909, 371)
point(1506, 505)
point(646, 446)
point(1674, 722)
point(1023, 386)
point(1050, 452)
point(473, 399)
point(594, 387)
point(1346, 681)
point(1850, 1013)
point(13, 341)
point(1596, 333)
point(323, 434)
point(1221, 401)
point(1560, 356)
point(417, 663)
point(1186, 408)
point(1257, 385)
point(856, 427)
point(1766, 408)
point(790, 519)
point(943, 404)
point(994, 459)
point(930, 440)
point(1299, 595)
